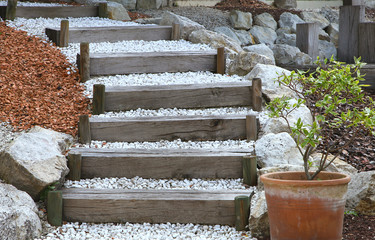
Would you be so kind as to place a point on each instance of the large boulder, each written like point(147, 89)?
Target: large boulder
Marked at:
point(332, 15)
point(286, 38)
point(116, 11)
point(245, 37)
point(333, 31)
point(269, 75)
point(289, 20)
point(35, 160)
point(361, 193)
point(314, 17)
point(336, 166)
point(285, 3)
point(265, 20)
point(262, 49)
point(215, 40)
point(277, 149)
point(187, 26)
point(285, 54)
point(18, 215)
point(263, 34)
point(244, 62)
point(327, 49)
point(241, 20)
point(151, 4)
point(258, 219)
point(229, 32)
point(128, 4)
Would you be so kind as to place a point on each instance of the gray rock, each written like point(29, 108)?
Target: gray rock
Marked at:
point(333, 31)
point(269, 75)
point(314, 17)
point(277, 149)
point(229, 32)
point(369, 3)
point(323, 35)
point(186, 25)
point(88, 2)
point(361, 193)
point(327, 49)
point(117, 12)
point(245, 37)
point(284, 31)
point(285, 3)
point(128, 4)
point(215, 40)
point(148, 21)
point(241, 20)
point(336, 166)
point(303, 59)
point(258, 219)
point(263, 34)
point(18, 215)
point(262, 49)
point(289, 20)
point(332, 15)
point(150, 4)
point(285, 54)
point(265, 20)
point(244, 62)
point(34, 160)
point(285, 38)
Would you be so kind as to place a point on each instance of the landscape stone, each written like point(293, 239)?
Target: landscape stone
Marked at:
point(215, 40)
point(265, 20)
point(336, 166)
point(289, 20)
point(327, 49)
point(277, 149)
point(263, 34)
point(187, 26)
point(285, 54)
point(330, 14)
point(241, 20)
point(35, 160)
point(285, 3)
point(314, 17)
point(262, 49)
point(128, 4)
point(116, 11)
point(244, 62)
point(18, 215)
point(258, 219)
point(323, 35)
point(361, 193)
point(269, 75)
point(245, 37)
point(229, 32)
point(286, 38)
point(333, 31)
point(149, 4)
point(148, 21)
point(284, 30)
point(303, 59)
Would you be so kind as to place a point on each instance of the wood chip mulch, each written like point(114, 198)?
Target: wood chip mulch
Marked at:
point(35, 85)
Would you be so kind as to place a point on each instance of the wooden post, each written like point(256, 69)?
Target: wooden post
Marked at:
point(249, 170)
point(64, 33)
point(220, 64)
point(84, 131)
point(74, 165)
point(242, 208)
point(366, 44)
point(350, 17)
point(352, 2)
point(11, 8)
point(98, 101)
point(103, 10)
point(256, 91)
point(84, 61)
point(308, 39)
point(251, 128)
point(54, 208)
point(175, 31)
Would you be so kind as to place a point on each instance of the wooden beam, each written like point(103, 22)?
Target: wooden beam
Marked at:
point(220, 60)
point(84, 130)
point(11, 10)
point(178, 96)
point(84, 61)
point(55, 208)
point(64, 33)
point(103, 10)
point(251, 128)
point(175, 34)
point(352, 2)
point(308, 39)
point(249, 166)
point(367, 42)
point(98, 101)
point(242, 208)
point(74, 165)
point(256, 94)
point(350, 17)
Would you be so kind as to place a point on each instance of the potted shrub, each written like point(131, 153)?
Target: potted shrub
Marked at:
point(310, 204)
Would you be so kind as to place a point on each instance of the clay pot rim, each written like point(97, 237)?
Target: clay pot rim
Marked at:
point(340, 179)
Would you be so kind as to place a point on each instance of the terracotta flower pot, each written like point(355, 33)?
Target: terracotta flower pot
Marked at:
point(303, 209)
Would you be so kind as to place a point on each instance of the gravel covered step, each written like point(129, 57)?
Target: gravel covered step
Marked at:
point(153, 206)
point(111, 34)
point(194, 128)
point(122, 98)
point(159, 163)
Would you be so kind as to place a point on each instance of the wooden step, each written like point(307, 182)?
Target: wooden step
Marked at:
point(194, 128)
point(153, 206)
point(160, 163)
point(112, 34)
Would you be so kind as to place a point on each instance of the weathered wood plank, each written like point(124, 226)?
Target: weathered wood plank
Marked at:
point(154, 206)
point(308, 39)
point(135, 151)
point(179, 96)
point(55, 208)
point(113, 34)
point(152, 62)
point(195, 128)
point(11, 10)
point(64, 34)
point(84, 133)
point(54, 12)
point(98, 99)
point(366, 47)
point(242, 207)
point(84, 61)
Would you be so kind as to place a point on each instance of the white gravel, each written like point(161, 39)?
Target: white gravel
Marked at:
point(146, 231)
point(33, 4)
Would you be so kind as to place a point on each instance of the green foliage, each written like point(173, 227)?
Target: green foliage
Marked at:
point(44, 193)
point(351, 212)
point(331, 88)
